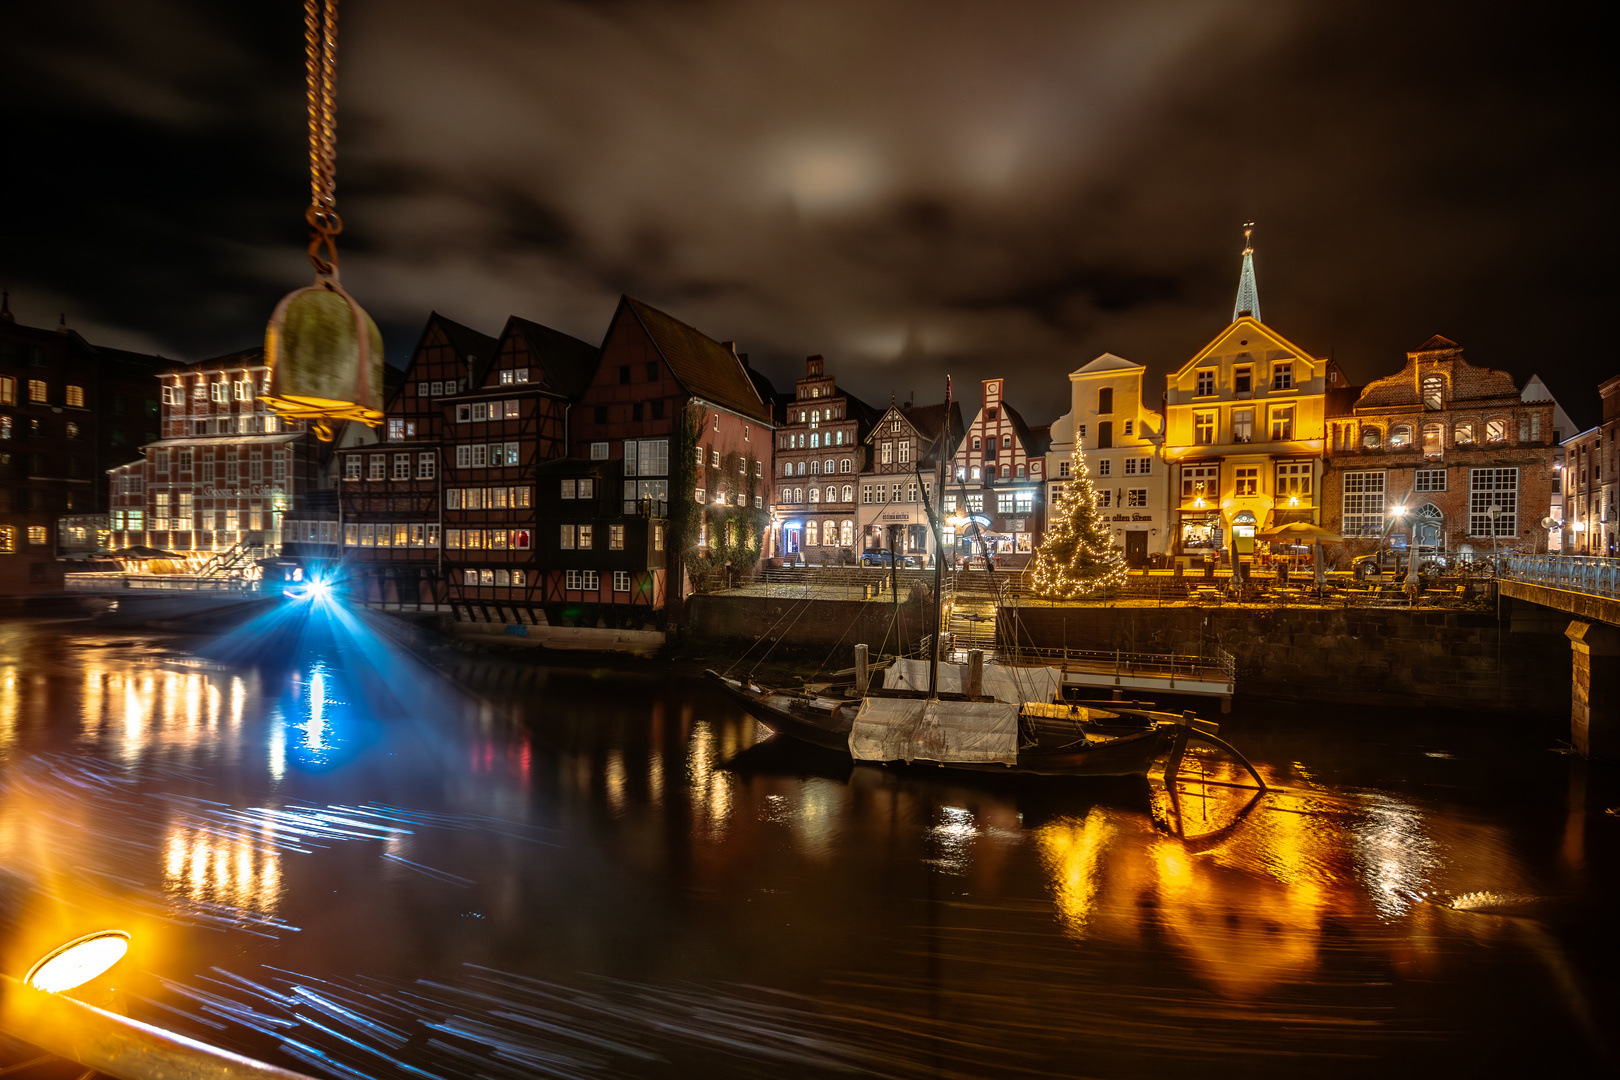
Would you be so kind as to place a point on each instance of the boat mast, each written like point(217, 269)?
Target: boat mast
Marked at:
point(941, 465)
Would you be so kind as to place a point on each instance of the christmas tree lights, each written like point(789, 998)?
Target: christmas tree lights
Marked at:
point(1077, 557)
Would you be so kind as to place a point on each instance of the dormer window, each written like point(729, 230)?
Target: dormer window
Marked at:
point(1434, 393)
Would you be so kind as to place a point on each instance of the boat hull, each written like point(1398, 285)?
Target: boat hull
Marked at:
point(1129, 754)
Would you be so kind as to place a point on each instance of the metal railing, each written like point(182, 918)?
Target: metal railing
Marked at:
point(117, 581)
point(1220, 666)
point(1592, 575)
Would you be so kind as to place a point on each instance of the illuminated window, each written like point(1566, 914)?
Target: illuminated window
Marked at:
point(37, 390)
point(1493, 502)
point(1434, 393)
point(1206, 382)
point(1294, 480)
point(75, 396)
point(1246, 480)
point(1363, 504)
point(1496, 430)
point(37, 534)
point(1282, 423)
point(1204, 428)
point(8, 390)
point(1282, 376)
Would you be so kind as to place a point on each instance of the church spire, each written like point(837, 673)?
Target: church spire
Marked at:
point(1248, 294)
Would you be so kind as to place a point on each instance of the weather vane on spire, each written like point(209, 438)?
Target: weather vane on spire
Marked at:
point(1248, 294)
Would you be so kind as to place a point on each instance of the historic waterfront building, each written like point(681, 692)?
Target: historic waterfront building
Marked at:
point(392, 510)
point(69, 411)
point(1244, 434)
point(1123, 444)
point(224, 472)
point(1591, 481)
point(820, 454)
point(905, 440)
point(998, 473)
point(1457, 449)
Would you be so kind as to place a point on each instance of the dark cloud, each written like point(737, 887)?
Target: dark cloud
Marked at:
point(906, 187)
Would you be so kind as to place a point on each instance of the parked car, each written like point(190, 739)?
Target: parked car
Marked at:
point(885, 557)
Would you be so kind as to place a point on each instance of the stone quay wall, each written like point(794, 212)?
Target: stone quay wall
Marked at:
point(805, 625)
point(1386, 657)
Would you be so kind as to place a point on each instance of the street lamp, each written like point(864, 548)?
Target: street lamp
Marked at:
point(78, 962)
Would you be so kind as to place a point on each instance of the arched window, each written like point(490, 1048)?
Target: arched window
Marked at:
point(787, 468)
point(1434, 438)
point(1400, 437)
point(973, 473)
point(810, 533)
point(815, 440)
point(1464, 434)
point(975, 442)
point(1105, 400)
point(787, 495)
point(1370, 438)
point(843, 465)
point(829, 533)
point(815, 494)
point(828, 468)
point(798, 495)
point(815, 468)
point(832, 494)
point(846, 532)
point(849, 493)
point(1496, 430)
point(801, 468)
point(1004, 472)
point(1006, 442)
point(1434, 393)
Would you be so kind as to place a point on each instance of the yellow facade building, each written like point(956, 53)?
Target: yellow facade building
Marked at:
point(1245, 423)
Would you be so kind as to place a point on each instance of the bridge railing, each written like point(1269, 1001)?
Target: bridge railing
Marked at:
point(1577, 573)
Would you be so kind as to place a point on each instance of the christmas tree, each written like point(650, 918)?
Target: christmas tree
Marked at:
point(1077, 556)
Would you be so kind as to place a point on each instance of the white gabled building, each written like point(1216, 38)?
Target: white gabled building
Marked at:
point(1123, 442)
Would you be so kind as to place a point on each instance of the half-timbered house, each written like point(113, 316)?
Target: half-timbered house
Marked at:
point(904, 440)
point(391, 515)
point(497, 435)
point(999, 475)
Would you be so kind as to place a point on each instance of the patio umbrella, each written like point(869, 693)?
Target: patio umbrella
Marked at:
point(1299, 532)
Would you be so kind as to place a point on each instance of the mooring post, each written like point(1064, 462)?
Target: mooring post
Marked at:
point(863, 673)
point(975, 673)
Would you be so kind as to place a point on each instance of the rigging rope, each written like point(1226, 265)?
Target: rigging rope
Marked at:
point(320, 55)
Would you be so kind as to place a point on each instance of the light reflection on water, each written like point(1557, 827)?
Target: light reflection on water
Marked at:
point(589, 826)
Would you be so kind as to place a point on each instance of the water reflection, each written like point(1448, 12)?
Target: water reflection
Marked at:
point(626, 851)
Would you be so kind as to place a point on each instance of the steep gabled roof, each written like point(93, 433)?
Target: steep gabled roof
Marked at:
point(1025, 434)
point(705, 367)
point(1040, 440)
point(567, 364)
point(1253, 326)
point(929, 419)
point(470, 347)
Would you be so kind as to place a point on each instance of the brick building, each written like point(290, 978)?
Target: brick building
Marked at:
point(684, 418)
point(999, 473)
point(225, 470)
point(391, 512)
point(820, 454)
point(1457, 446)
point(903, 441)
point(1591, 482)
point(69, 410)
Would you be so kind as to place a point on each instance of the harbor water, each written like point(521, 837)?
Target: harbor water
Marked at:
point(354, 860)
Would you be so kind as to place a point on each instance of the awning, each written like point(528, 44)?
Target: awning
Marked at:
point(919, 729)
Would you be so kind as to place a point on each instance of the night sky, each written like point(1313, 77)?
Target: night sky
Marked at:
point(911, 188)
